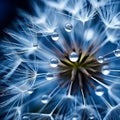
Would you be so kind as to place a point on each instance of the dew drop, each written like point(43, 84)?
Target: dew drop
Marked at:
point(73, 57)
point(54, 62)
point(100, 59)
point(117, 52)
point(91, 116)
point(25, 117)
point(68, 27)
point(30, 91)
point(49, 76)
point(75, 117)
point(99, 91)
point(45, 99)
point(105, 70)
point(55, 36)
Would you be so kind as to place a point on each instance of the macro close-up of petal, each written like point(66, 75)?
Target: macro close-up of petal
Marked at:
point(60, 60)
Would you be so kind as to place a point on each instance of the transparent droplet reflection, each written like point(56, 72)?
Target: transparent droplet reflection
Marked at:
point(117, 53)
point(54, 62)
point(105, 70)
point(99, 91)
point(45, 99)
point(100, 59)
point(68, 27)
point(30, 91)
point(49, 76)
point(75, 117)
point(25, 117)
point(91, 116)
point(73, 57)
point(55, 36)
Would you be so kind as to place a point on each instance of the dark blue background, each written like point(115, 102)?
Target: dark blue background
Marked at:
point(8, 11)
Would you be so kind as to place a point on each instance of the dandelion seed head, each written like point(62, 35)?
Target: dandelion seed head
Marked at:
point(62, 62)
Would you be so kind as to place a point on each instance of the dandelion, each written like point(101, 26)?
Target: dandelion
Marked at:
point(62, 62)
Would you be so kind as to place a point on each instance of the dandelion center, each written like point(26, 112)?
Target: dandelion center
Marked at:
point(79, 67)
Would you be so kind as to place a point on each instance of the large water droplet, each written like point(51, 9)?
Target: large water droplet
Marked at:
point(99, 91)
point(54, 62)
point(73, 57)
point(105, 70)
point(100, 59)
point(68, 27)
point(55, 36)
point(49, 76)
point(45, 99)
point(117, 53)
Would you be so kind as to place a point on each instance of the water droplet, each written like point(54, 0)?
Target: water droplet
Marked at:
point(49, 76)
point(99, 91)
point(25, 117)
point(68, 27)
point(55, 36)
point(54, 62)
point(91, 116)
point(117, 53)
point(30, 91)
point(45, 99)
point(100, 59)
point(75, 117)
point(105, 70)
point(73, 57)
